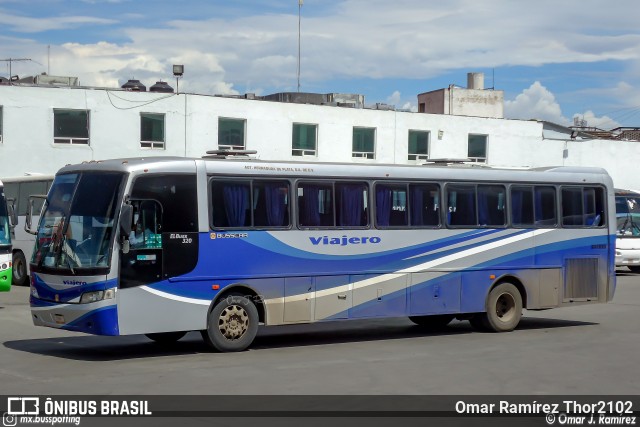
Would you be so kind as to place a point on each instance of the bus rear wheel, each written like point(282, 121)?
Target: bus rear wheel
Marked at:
point(432, 322)
point(19, 269)
point(166, 337)
point(232, 324)
point(504, 309)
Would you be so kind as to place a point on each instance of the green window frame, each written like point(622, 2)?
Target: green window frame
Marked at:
point(71, 127)
point(152, 130)
point(364, 143)
point(304, 141)
point(231, 133)
point(477, 148)
point(418, 145)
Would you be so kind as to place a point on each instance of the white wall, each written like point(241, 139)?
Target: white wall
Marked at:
point(191, 126)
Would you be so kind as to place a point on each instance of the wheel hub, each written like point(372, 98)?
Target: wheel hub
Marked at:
point(233, 322)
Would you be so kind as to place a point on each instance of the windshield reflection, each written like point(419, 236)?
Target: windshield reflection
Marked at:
point(628, 216)
point(77, 222)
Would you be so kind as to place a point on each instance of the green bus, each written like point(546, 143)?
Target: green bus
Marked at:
point(5, 244)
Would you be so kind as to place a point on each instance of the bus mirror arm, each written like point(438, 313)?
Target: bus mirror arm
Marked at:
point(13, 215)
point(28, 218)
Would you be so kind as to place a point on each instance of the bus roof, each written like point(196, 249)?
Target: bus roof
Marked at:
point(294, 169)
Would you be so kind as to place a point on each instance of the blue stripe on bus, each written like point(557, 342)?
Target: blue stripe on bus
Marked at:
point(47, 292)
point(102, 321)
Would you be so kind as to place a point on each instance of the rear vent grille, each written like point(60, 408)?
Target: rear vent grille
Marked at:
point(582, 279)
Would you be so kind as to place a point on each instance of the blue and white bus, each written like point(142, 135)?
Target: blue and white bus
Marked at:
point(163, 246)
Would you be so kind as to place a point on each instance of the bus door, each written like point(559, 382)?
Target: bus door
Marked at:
point(142, 264)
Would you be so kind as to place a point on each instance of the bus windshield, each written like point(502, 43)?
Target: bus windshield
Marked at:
point(628, 216)
point(5, 231)
point(77, 222)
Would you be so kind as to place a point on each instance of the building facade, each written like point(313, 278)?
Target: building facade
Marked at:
point(44, 127)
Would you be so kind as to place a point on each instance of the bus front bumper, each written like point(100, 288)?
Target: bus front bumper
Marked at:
point(97, 318)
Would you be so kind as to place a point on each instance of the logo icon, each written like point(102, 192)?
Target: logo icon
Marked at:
point(9, 420)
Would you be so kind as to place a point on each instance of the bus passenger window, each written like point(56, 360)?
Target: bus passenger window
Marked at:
point(230, 203)
point(545, 206)
point(461, 205)
point(351, 204)
point(522, 206)
point(391, 205)
point(491, 205)
point(315, 205)
point(270, 204)
point(424, 205)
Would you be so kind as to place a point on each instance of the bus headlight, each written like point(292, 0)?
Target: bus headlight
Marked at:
point(94, 296)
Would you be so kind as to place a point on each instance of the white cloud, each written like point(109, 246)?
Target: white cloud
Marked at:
point(23, 24)
point(536, 102)
point(407, 39)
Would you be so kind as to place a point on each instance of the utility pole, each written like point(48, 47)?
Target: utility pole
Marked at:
point(11, 60)
point(300, 3)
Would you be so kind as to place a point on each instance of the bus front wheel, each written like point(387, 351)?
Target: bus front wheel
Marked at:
point(232, 324)
point(19, 269)
point(504, 309)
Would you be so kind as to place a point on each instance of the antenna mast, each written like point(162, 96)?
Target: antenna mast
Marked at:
point(10, 61)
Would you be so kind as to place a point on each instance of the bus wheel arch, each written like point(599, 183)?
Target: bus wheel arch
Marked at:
point(504, 304)
point(19, 262)
point(233, 319)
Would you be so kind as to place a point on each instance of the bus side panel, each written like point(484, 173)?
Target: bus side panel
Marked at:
point(379, 295)
point(434, 293)
point(143, 310)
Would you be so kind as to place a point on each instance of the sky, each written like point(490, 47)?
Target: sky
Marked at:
point(554, 60)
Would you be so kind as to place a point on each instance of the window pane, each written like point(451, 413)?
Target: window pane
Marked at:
point(230, 203)
point(545, 206)
point(152, 127)
point(461, 204)
point(522, 206)
point(271, 204)
point(491, 205)
point(28, 189)
point(304, 138)
point(364, 142)
point(391, 205)
point(70, 124)
point(478, 147)
point(351, 204)
point(424, 205)
point(231, 133)
point(418, 144)
point(315, 204)
point(572, 206)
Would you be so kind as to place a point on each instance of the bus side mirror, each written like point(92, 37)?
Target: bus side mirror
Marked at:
point(30, 207)
point(13, 215)
point(126, 219)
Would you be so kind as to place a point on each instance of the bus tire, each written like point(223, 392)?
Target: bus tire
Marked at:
point(232, 324)
point(166, 337)
point(504, 308)
point(634, 268)
point(19, 269)
point(432, 322)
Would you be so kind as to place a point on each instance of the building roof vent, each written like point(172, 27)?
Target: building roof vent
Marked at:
point(161, 87)
point(134, 85)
